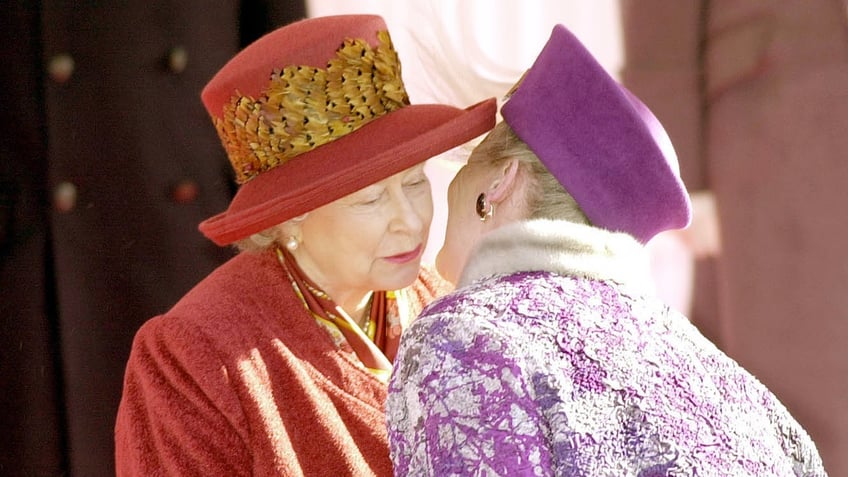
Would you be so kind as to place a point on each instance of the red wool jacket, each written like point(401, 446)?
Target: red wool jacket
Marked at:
point(237, 379)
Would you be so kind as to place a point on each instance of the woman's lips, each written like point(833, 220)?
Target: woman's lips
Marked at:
point(406, 256)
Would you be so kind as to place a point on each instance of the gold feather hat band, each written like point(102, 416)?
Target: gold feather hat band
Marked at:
point(317, 110)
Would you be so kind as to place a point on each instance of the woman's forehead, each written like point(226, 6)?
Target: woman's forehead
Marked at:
point(414, 170)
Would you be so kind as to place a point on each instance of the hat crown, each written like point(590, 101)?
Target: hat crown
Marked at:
point(601, 142)
point(291, 91)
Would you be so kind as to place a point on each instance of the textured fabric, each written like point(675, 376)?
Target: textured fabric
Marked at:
point(239, 379)
point(559, 371)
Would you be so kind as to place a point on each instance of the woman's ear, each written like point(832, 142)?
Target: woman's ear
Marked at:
point(289, 228)
point(505, 182)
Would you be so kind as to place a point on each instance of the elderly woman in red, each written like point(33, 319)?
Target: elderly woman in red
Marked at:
point(276, 363)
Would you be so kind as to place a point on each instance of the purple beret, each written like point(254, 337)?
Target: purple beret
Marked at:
point(603, 145)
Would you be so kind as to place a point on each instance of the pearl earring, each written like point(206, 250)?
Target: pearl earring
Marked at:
point(292, 243)
point(482, 211)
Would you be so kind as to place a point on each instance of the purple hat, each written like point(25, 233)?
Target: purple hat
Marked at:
point(602, 144)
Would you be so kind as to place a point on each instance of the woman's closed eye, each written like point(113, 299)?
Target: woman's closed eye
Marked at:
point(416, 182)
point(370, 199)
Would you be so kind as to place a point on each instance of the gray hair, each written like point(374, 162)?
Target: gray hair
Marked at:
point(260, 241)
point(268, 238)
point(546, 198)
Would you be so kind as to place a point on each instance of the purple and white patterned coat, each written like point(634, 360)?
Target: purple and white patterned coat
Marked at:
point(554, 358)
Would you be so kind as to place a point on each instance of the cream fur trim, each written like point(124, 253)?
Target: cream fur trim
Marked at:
point(561, 247)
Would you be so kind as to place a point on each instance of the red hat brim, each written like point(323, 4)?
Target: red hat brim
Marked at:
point(379, 149)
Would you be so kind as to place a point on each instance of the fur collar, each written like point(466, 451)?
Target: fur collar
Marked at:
point(561, 247)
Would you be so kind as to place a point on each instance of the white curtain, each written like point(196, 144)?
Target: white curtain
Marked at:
point(463, 51)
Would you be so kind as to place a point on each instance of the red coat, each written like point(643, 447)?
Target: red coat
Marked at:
point(755, 98)
point(238, 379)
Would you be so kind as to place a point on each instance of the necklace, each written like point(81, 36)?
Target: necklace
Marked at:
point(366, 325)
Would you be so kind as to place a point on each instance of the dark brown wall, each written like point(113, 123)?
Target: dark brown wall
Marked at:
point(108, 162)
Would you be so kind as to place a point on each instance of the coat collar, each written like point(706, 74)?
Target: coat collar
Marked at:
point(560, 247)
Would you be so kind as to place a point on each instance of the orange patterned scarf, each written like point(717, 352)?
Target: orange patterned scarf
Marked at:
point(369, 342)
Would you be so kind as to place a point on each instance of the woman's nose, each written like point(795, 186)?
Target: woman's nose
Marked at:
point(408, 214)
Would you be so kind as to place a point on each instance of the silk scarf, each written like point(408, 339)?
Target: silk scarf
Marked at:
point(369, 342)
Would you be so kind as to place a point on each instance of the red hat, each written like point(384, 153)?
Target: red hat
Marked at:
point(315, 111)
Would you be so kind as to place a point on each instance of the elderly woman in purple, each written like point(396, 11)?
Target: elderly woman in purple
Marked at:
point(553, 357)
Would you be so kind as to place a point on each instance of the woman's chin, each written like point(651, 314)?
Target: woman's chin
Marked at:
point(401, 275)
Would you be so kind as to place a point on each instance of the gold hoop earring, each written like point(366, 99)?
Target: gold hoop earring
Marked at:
point(292, 243)
point(483, 211)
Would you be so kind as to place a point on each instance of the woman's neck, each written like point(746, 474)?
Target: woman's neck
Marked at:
point(356, 305)
point(354, 302)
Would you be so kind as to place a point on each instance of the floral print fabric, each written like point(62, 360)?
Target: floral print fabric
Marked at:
point(540, 373)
